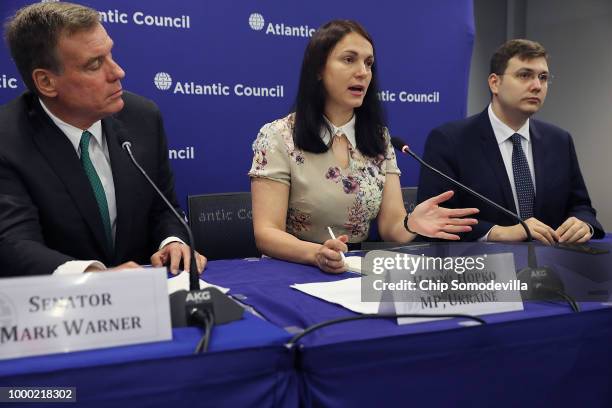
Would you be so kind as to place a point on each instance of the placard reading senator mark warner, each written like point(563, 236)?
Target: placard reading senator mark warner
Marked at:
point(52, 314)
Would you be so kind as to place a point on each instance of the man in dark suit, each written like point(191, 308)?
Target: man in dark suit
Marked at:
point(70, 199)
point(525, 165)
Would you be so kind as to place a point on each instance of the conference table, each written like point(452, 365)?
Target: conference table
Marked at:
point(247, 365)
point(543, 356)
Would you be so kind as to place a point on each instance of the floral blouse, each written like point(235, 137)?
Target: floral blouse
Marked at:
point(322, 193)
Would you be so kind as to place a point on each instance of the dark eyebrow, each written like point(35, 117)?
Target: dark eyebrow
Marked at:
point(352, 52)
point(525, 69)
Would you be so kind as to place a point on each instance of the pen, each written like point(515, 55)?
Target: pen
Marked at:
point(331, 233)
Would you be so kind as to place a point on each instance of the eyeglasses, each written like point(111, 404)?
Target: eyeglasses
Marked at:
point(526, 76)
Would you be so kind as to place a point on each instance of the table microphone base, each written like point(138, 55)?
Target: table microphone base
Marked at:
point(183, 304)
point(542, 283)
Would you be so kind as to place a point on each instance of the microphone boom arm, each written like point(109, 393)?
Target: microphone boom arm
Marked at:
point(194, 280)
point(469, 190)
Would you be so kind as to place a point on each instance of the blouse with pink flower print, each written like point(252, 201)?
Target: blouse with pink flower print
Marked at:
point(322, 193)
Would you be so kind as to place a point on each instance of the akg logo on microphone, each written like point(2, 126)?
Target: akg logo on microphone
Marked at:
point(538, 274)
point(163, 81)
point(197, 297)
point(256, 21)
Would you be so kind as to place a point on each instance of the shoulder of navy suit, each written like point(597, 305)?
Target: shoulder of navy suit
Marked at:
point(140, 117)
point(21, 107)
point(460, 125)
point(20, 118)
point(136, 104)
point(545, 128)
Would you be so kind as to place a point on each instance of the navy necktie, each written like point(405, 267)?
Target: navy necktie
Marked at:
point(523, 183)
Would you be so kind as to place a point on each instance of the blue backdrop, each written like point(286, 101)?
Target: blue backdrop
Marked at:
point(219, 70)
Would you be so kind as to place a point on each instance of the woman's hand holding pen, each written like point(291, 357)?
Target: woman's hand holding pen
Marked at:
point(329, 258)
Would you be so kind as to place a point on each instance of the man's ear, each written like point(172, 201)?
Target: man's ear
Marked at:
point(44, 81)
point(494, 80)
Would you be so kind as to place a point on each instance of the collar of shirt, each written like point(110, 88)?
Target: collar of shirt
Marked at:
point(73, 133)
point(502, 131)
point(348, 129)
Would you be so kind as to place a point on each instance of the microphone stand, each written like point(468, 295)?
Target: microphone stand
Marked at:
point(203, 308)
point(194, 278)
point(406, 149)
point(542, 282)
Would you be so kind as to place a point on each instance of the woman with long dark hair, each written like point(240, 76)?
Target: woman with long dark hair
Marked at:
point(330, 163)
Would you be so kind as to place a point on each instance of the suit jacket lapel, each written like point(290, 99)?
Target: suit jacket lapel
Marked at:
point(492, 154)
point(537, 148)
point(123, 179)
point(63, 159)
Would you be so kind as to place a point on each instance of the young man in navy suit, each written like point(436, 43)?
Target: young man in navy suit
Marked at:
point(70, 199)
point(525, 165)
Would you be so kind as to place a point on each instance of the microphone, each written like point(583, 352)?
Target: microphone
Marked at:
point(400, 145)
point(542, 282)
point(194, 279)
point(197, 307)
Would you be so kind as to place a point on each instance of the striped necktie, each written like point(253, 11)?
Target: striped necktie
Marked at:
point(96, 186)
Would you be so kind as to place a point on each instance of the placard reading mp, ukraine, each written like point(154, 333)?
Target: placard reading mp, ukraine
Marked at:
point(473, 285)
point(53, 314)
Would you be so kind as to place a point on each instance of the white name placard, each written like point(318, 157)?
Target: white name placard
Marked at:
point(55, 314)
point(489, 286)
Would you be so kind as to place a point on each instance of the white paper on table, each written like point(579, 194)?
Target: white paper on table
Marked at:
point(346, 293)
point(353, 263)
point(181, 282)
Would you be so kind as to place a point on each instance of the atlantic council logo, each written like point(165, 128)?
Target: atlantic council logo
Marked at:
point(186, 153)
point(163, 81)
point(8, 82)
point(141, 18)
point(256, 21)
point(409, 97)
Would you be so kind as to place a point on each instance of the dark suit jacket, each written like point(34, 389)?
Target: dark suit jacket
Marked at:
point(468, 151)
point(48, 212)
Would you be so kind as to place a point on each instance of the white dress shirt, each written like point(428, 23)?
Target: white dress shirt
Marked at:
point(503, 134)
point(98, 153)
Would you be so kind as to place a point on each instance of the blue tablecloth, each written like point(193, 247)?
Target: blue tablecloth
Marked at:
point(247, 365)
point(544, 355)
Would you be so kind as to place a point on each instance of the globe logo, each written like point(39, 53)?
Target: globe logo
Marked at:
point(163, 81)
point(256, 21)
